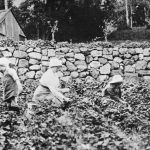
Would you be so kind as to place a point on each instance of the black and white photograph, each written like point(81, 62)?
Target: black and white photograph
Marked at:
point(74, 74)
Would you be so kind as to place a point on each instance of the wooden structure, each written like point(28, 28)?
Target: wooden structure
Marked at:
point(9, 26)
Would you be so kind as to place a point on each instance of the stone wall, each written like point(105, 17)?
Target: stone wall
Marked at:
point(79, 60)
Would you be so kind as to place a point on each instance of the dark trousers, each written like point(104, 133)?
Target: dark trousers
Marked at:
point(12, 108)
point(9, 101)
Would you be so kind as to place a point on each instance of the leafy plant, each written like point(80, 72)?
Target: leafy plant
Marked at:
point(109, 27)
point(54, 29)
point(87, 123)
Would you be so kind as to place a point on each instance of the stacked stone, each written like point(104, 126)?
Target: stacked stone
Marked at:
point(91, 61)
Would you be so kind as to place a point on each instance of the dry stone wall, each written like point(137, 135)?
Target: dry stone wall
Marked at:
point(90, 61)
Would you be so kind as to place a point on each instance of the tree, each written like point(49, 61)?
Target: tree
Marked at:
point(53, 29)
point(77, 21)
point(135, 10)
point(110, 26)
point(141, 12)
point(127, 13)
point(33, 18)
point(2, 5)
point(86, 19)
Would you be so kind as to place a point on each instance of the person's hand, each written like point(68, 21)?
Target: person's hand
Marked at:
point(67, 99)
point(65, 90)
point(66, 104)
point(122, 101)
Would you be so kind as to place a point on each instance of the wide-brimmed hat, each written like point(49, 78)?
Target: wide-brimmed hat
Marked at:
point(54, 62)
point(116, 79)
point(5, 62)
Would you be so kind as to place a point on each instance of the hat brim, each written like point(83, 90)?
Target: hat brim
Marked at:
point(112, 82)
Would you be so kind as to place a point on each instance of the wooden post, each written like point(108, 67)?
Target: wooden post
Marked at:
point(6, 4)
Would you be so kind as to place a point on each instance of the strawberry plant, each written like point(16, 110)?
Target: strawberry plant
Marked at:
point(87, 123)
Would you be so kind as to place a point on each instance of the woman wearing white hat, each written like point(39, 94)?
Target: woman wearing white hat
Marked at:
point(49, 87)
point(11, 83)
point(113, 89)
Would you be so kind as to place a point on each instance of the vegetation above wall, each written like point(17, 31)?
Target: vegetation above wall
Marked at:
point(127, 43)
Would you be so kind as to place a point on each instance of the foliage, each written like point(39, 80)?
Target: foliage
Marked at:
point(77, 21)
point(8, 42)
point(124, 44)
point(54, 28)
point(130, 44)
point(2, 6)
point(33, 18)
point(110, 44)
point(86, 124)
point(109, 28)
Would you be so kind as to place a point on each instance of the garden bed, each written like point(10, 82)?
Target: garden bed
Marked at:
point(85, 124)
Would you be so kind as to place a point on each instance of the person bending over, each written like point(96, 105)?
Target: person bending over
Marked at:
point(113, 89)
point(11, 83)
point(49, 85)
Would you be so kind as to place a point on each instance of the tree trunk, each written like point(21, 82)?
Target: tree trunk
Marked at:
point(38, 31)
point(127, 13)
point(131, 19)
point(50, 7)
point(106, 37)
point(53, 36)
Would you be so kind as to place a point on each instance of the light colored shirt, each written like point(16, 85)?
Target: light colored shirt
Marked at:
point(50, 79)
point(13, 73)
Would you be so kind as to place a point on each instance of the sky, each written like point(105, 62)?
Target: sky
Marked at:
point(17, 2)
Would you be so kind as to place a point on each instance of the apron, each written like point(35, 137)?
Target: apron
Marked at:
point(10, 87)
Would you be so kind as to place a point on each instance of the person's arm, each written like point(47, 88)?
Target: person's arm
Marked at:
point(105, 89)
point(63, 90)
point(13, 73)
point(119, 98)
point(20, 88)
point(57, 94)
point(116, 98)
point(49, 80)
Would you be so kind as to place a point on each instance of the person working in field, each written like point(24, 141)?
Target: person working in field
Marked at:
point(49, 87)
point(11, 83)
point(113, 89)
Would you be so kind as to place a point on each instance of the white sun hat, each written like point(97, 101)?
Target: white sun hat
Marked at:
point(116, 79)
point(5, 62)
point(54, 62)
